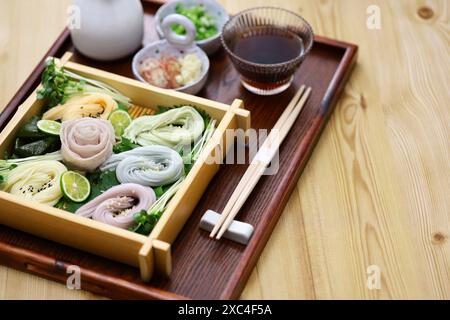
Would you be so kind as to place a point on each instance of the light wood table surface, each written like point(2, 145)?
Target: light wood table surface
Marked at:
point(377, 188)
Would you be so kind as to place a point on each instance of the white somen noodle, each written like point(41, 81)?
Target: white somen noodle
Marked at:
point(148, 166)
point(37, 181)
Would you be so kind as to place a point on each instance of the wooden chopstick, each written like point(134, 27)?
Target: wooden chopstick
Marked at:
point(257, 167)
point(272, 146)
point(249, 172)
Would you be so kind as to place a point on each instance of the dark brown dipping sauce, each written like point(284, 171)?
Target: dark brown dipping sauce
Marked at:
point(268, 45)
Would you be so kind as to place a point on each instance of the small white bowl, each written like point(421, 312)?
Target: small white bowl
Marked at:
point(177, 47)
point(218, 12)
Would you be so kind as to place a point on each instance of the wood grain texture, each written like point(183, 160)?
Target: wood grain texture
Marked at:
point(376, 188)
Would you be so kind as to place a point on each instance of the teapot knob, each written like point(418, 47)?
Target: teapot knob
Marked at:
point(178, 39)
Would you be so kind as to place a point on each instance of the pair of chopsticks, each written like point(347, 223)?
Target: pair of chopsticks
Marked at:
point(261, 161)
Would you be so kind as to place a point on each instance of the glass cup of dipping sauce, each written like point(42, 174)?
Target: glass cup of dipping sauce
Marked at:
point(266, 46)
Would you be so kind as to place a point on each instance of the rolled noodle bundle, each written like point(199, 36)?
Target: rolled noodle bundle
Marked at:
point(178, 126)
point(148, 166)
point(37, 181)
point(86, 143)
point(92, 105)
point(117, 205)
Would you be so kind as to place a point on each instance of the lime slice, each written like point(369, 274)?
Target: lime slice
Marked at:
point(75, 186)
point(120, 120)
point(49, 126)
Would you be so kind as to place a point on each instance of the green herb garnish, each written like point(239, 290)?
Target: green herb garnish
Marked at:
point(146, 220)
point(124, 145)
point(160, 190)
point(59, 84)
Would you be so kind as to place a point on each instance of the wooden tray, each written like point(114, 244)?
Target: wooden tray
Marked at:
point(202, 268)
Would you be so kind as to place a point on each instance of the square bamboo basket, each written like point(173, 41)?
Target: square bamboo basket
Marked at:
point(148, 253)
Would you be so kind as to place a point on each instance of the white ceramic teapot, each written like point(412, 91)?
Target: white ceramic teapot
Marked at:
point(109, 29)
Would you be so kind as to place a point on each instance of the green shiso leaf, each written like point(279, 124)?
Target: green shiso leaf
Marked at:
point(124, 145)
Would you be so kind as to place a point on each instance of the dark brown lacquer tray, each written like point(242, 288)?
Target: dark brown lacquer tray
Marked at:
point(202, 268)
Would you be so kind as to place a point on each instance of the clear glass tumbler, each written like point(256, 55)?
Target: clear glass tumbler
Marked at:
point(266, 45)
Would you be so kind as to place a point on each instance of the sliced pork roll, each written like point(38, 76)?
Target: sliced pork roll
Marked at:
point(148, 166)
point(86, 143)
point(117, 205)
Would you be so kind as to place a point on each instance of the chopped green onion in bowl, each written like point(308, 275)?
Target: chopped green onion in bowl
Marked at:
point(203, 21)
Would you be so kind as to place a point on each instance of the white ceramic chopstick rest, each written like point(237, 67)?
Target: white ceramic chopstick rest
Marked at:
point(237, 231)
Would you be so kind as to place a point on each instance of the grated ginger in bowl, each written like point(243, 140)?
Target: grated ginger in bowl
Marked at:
point(191, 67)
